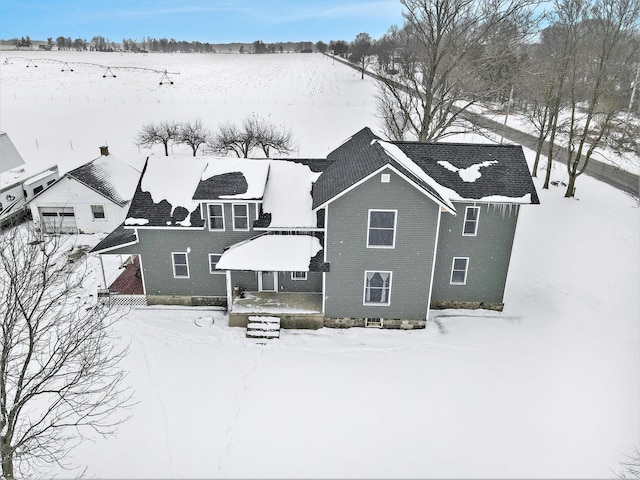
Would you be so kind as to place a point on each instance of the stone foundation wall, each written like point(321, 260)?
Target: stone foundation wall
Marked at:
point(187, 300)
point(390, 323)
point(444, 304)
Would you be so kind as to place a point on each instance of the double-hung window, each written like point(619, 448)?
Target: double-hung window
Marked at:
point(240, 216)
point(382, 229)
point(459, 268)
point(216, 216)
point(180, 262)
point(214, 258)
point(471, 216)
point(377, 288)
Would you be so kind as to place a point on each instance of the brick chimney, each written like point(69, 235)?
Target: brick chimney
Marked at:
point(104, 151)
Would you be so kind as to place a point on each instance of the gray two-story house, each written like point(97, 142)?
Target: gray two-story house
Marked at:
point(376, 234)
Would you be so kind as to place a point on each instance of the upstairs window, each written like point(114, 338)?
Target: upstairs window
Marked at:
point(240, 216)
point(98, 212)
point(377, 288)
point(216, 216)
point(180, 262)
point(459, 268)
point(471, 216)
point(382, 229)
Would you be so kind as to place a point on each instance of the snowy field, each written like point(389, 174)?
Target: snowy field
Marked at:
point(549, 388)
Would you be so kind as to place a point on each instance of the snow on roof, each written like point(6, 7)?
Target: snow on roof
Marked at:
point(174, 179)
point(119, 178)
point(469, 174)
point(288, 195)
point(525, 199)
point(9, 155)
point(22, 174)
point(271, 253)
point(255, 173)
point(399, 156)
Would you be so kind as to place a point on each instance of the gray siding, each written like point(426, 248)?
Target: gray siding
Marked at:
point(156, 246)
point(248, 281)
point(410, 261)
point(489, 253)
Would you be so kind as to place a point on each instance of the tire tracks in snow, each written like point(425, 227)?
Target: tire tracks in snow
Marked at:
point(148, 361)
point(233, 419)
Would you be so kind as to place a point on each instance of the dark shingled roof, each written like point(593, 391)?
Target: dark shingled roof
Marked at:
point(120, 236)
point(96, 177)
point(220, 185)
point(510, 177)
point(354, 161)
point(361, 155)
point(159, 214)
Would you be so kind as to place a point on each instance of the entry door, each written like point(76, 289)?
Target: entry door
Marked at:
point(268, 282)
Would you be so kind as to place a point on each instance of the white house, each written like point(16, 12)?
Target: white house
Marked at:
point(93, 198)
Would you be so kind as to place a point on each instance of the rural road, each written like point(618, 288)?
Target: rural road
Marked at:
point(610, 174)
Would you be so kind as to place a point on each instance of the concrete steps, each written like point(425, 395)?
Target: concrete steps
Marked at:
point(263, 327)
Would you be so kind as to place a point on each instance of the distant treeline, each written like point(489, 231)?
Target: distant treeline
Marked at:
point(162, 45)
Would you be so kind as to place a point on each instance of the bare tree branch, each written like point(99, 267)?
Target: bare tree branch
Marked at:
point(59, 372)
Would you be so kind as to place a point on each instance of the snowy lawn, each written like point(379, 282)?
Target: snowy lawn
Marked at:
point(548, 388)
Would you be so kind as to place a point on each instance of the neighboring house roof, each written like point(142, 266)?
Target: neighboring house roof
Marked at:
point(447, 171)
point(9, 155)
point(107, 175)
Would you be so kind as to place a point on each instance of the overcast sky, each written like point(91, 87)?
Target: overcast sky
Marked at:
point(213, 21)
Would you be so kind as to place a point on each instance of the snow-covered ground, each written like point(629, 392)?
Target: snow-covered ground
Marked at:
point(548, 388)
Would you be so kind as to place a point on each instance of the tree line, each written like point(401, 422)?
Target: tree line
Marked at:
point(255, 132)
point(573, 71)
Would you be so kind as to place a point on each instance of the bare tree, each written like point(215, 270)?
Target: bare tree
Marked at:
point(59, 375)
point(192, 133)
point(255, 132)
point(606, 28)
point(361, 51)
point(271, 137)
point(443, 51)
point(231, 138)
point(630, 466)
point(163, 133)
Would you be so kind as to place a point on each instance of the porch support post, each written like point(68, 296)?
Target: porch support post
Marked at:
point(229, 291)
point(104, 278)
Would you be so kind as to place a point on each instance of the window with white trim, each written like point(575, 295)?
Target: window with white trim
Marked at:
point(98, 212)
point(471, 215)
point(240, 216)
point(377, 288)
point(298, 275)
point(382, 229)
point(214, 258)
point(180, 261)
point(216, 216)
point(459, 268)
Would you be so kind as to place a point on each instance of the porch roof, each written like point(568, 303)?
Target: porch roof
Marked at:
point(280, 253)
